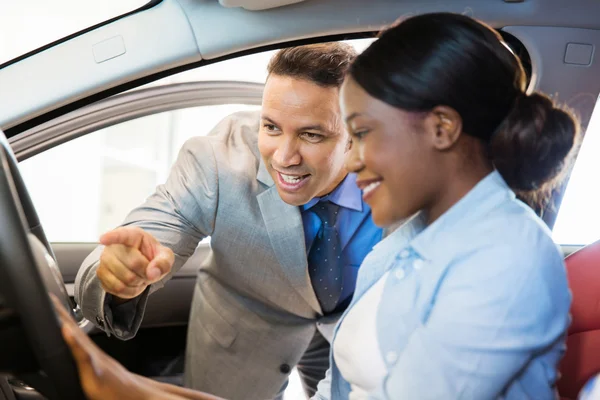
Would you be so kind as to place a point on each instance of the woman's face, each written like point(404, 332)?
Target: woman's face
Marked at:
point(391, 154)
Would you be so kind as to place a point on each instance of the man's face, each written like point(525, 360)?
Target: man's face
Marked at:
point(302, 139)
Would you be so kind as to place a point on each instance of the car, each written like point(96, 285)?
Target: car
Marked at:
point(93, 120)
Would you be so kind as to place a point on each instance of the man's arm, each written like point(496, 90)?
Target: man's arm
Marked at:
point(178, 215)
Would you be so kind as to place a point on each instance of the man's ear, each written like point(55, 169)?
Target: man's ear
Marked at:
point(445, 126)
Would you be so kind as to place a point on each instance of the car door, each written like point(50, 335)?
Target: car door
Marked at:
point(86, 170)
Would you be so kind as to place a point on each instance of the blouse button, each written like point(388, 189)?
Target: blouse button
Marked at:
point(391, 357)
point(404, 254)
point(400, 274)
point(418, 264)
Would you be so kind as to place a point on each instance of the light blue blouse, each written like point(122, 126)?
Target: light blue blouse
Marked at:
point(476, 305)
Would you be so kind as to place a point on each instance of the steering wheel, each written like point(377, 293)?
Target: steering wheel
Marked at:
point(28, 272)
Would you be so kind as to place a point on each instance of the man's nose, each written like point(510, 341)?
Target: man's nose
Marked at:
point(353, 160)
point(287, 153)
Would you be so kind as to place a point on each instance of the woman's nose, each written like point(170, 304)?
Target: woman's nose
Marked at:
point(353, 160)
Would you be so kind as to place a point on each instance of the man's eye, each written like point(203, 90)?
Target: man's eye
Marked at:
point(270, 127)
point(313, 137)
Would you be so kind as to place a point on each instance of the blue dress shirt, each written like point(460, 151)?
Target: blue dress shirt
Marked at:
point(358, 234)
point(476, 305)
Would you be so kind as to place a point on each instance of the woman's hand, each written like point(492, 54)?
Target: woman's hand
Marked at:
point(101, 376)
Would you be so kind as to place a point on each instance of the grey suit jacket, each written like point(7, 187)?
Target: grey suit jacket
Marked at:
point(254, 308)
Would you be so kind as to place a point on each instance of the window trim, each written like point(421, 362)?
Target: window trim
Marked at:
point(132, 105)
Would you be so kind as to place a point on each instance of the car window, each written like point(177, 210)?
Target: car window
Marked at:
point(26, 25)
point(578, 218)
point(87, 186)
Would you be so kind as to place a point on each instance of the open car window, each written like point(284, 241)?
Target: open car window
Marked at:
point(81, 181)
point(578, 220)
point(30, 24)
point(86, 186)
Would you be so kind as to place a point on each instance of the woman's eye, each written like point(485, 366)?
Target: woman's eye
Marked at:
point(270, 127)
point(360, 134)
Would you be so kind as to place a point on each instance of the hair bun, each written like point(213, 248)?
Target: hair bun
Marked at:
point(533, 143)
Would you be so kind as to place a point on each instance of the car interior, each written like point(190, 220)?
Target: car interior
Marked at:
point(128, 68)
point(583, 342)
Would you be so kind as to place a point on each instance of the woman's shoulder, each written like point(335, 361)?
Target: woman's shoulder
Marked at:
point(511, 239)
point(514, 225)
point(511, 256)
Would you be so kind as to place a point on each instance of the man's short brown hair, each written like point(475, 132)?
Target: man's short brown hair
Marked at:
point(325, 64)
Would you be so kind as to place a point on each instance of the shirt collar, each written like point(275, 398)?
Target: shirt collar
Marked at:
point(401, 236)
point(346, 194)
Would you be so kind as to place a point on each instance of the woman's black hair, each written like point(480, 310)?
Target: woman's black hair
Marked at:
point(453, 60)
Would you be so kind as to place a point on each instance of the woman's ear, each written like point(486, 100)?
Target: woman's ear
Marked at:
point(446, 127)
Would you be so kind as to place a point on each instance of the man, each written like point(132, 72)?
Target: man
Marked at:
point(288, 232)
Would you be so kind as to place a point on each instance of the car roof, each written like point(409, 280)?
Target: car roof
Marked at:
point(169, 36)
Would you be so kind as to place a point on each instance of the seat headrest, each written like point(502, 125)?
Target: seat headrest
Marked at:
point(583, 271)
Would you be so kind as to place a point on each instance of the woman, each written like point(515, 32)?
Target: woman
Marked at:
point(468, 298)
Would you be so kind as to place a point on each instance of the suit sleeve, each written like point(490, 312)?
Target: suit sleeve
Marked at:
point(180, 213)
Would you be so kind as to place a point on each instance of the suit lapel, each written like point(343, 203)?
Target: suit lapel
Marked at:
point(286, 232)
point(263, 175)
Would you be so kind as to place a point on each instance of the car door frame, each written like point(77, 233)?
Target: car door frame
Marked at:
point(170, 305)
